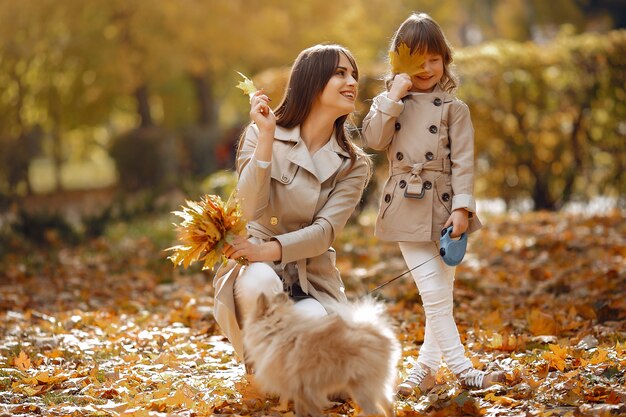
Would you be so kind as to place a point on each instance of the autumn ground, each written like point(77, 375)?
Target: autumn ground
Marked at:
point(109, 328)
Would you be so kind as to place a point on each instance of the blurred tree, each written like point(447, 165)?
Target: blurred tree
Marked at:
point(88, 71)
point(48, 78)
point(548, 120)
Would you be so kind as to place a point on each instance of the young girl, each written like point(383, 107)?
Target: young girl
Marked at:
point(428, 137)
point(300, 179)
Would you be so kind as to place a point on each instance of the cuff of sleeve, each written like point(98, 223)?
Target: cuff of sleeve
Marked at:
point(465, 201)
point(390, 107)
point(262, 164)
point(289, 248)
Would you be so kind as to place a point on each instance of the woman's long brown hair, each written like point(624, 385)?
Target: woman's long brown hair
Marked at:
point(310, 73)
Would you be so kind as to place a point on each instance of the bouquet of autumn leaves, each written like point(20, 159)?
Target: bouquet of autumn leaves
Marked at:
point(207, 225)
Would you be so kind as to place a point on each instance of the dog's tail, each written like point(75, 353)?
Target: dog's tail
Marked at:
point(363, 311)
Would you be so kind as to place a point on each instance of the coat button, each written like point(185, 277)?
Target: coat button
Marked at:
point(398, 125)
point(428, 185)
point(387, 198)
point(445, 197)
point(273, 220)
point(429, 156)
point(437, 102)
point(399, 156)
point(432, 129)
point(402, 183)
point(285, 178)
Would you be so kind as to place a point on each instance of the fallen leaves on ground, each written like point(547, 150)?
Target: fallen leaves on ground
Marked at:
point(109, 328)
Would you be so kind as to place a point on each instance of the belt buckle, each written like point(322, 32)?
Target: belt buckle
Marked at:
point(418, 196)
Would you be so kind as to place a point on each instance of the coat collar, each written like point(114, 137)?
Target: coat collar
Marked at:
point(437, 91)
point(323, 164)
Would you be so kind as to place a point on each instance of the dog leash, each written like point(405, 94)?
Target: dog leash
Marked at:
point(401, 275)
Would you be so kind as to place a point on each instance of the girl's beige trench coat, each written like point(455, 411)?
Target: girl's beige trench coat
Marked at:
point(301, 200)
point(429, 141)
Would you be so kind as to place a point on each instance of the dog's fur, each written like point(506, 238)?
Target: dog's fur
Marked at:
point(354, 350)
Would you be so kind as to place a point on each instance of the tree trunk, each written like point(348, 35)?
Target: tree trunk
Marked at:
point(143, 106)
point(57, 157)
point(207, 110)
point(541, 194)
point(574, 171)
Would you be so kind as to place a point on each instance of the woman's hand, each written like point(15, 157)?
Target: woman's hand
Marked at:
point(459, 219)
point(254, 252)
point(261, 114)
point(400, 87)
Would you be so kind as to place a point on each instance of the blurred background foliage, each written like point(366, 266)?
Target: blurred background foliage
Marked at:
point(115, 103)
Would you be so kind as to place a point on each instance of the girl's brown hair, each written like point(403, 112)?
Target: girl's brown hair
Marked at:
point(310, 73)
point(423, 35)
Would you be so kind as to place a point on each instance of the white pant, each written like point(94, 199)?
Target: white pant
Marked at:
point(435, 282)
point(258, 278)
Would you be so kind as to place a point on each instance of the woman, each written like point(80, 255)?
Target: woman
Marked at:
point(300, 179)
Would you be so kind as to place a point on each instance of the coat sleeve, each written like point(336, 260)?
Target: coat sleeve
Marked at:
point(330, 220)
point(253, 186)
point(461, 134)
point(379, 124)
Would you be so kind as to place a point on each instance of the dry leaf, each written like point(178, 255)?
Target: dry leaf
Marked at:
point(404, 62)
point(207, 226)
point(540, 323)
point(22, 362)
point(247, 86)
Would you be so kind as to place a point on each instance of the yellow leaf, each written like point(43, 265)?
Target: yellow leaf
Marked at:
point(492, 321)
point(22, 362)
point(540, 323)
point(559, 351)
point(247, 86)
point(180, 398)
point(599, 357)
point(43, 377)
point(207, 225)
point(501, 399)
point(404, 62)
point(556, 358)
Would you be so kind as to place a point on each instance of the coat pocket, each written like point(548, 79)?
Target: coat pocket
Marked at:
point(401, 214)
point(387, 198)
point(443, 202)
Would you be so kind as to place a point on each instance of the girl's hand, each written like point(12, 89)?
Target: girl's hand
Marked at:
point(459, 221)
point(261, 114)
point(400, 87)
point(253, 252)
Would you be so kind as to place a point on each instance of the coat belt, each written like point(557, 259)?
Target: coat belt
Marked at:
point(415, 184)
point(301, 263)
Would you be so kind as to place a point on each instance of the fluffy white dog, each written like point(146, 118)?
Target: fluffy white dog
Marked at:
point(353, 350)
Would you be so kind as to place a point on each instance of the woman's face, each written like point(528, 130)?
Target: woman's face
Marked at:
point(342, 88)
point(433, 71)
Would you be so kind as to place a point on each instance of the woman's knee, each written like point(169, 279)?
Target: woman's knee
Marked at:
point(310, 307)
point(258, 277)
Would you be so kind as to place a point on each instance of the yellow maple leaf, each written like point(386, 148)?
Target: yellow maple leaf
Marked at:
point(247, 86)
point(559, 351)
point(600, 356)
point(540, 323)
point(556, 358)
point(404, 62)
point(22, 362)
point(180, 398)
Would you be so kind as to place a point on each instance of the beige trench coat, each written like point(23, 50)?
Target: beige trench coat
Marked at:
point(301, 200)
point(429, 141)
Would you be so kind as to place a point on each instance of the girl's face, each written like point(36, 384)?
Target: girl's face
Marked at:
point(426, 81)
point(341, 90)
